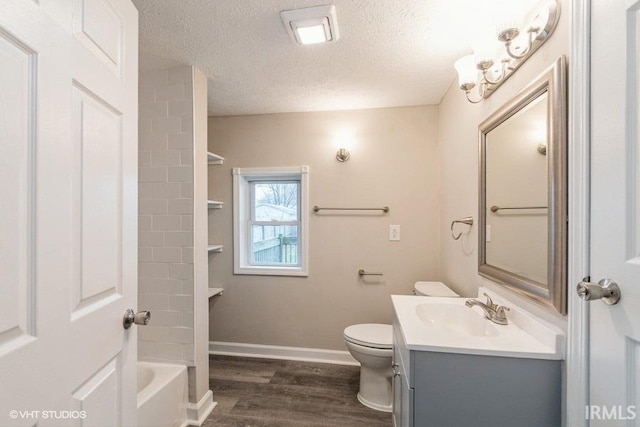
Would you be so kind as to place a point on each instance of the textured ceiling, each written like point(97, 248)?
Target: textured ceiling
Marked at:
point(390, 52)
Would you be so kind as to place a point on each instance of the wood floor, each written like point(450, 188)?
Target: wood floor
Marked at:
point(264, 392)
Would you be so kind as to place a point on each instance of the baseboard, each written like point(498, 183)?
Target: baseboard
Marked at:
point(198, 412)
point(280, 352)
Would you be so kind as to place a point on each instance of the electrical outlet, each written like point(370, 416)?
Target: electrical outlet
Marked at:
point(394, 233)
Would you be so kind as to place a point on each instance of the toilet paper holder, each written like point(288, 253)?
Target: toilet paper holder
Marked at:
point(361, 273)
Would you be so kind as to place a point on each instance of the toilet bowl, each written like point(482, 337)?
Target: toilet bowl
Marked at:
point(371, 344)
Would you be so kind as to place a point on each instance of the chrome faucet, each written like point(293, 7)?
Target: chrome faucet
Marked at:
point(494, 312)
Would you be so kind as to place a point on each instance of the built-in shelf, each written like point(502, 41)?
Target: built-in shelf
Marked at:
point(214, 204)
point(215, 291)
point(214, 159)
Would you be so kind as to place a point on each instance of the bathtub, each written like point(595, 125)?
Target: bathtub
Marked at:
point(162, 395)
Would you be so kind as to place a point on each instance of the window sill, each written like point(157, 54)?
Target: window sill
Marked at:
point(271, 271)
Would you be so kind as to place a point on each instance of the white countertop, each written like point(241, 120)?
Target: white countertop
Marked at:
point(524, 337)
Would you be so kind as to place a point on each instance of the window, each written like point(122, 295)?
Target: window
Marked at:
point(270, 221)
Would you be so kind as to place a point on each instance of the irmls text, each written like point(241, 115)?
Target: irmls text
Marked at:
point(614, 412)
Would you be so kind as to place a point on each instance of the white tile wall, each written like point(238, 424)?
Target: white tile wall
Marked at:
point(187, 188)
point(148, 270)
point(151, 174)
point(186, 222)
point(180, 174)
point(180, 141)
point(165, 158)
point(150, 239)
point(145, 190)
point(144, 222)
point(152, 206)
point(159, 286)
point(165, 257)
point(186, 157)
point(179, 239)
point(180, 206)
point(166, 222)
point(145, 255)
point(170, 93)
point(168, 190)
point(148, 141)
point(144, 159)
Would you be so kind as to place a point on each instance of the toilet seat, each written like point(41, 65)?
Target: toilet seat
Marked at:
point(373, 335)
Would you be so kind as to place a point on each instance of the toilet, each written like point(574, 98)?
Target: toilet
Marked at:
point(433, 289)
point(371, 344)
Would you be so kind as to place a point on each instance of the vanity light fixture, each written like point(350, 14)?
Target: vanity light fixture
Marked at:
point(311, 25)
point(495, 69)
point(343, 155)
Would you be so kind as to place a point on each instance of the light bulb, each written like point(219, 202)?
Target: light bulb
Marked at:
point(467, 72)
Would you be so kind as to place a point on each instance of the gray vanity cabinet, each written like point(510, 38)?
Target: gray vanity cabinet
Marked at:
point(403, 398)
point(434, 389)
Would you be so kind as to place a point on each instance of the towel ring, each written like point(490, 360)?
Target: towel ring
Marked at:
point(467, 221)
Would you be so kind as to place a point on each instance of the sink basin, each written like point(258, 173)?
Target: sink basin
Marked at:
point(456, 319)
point(446, 325)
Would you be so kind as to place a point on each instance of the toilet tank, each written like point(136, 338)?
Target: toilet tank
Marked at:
point(433, 289)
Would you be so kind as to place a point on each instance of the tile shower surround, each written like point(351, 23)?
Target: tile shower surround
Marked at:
point(165, 259)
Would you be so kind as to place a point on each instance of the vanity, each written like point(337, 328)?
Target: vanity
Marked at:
point(452, 365)
point(455, 368)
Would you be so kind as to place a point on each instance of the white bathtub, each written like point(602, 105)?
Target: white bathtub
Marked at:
point(162, 395)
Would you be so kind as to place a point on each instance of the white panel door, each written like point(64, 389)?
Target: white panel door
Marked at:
point(68, 212)
point(615, 215)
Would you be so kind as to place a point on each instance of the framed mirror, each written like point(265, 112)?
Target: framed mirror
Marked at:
point(523, 191)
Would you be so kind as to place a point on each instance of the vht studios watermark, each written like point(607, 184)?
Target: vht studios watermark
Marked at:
point(47, 415)
point(614, 412)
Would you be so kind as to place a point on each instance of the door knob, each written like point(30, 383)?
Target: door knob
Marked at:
point(606, 289)
point(140, 318)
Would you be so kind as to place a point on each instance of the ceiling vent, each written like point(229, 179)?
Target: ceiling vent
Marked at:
point(311, 25)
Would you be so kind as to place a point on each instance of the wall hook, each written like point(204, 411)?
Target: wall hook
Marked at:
point(467, 220)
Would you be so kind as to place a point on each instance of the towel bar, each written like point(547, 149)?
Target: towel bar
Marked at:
point(384, 209)
point(467, 221)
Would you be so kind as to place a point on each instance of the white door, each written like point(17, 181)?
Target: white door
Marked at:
point(615, 215)
point(68, 208)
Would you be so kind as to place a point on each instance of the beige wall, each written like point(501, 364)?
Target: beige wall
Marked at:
point(458, 140)
point(394, 162)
